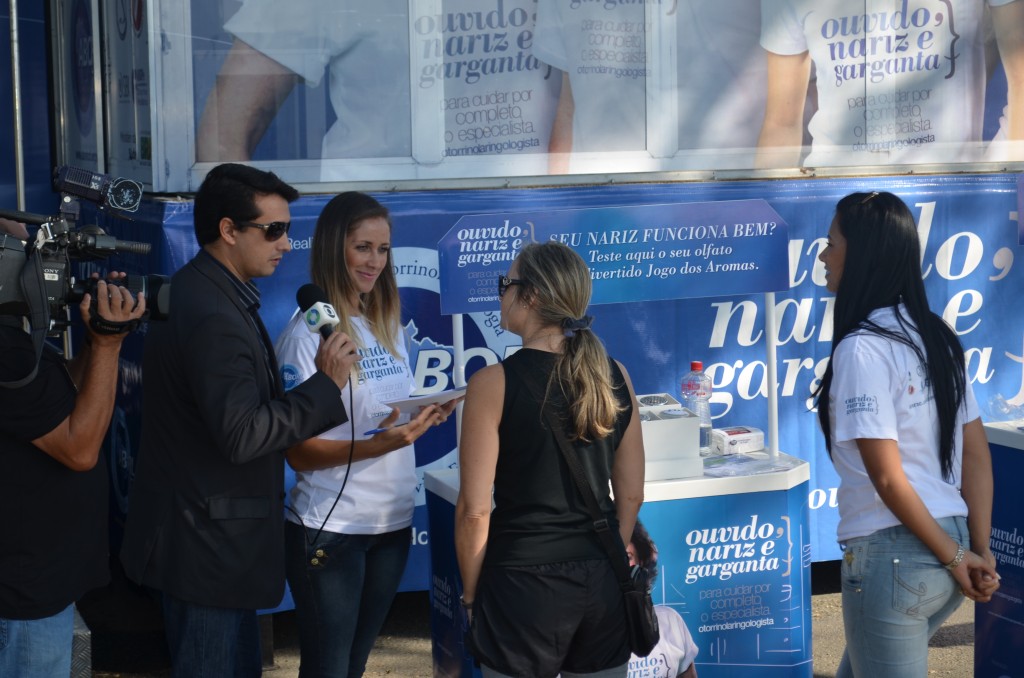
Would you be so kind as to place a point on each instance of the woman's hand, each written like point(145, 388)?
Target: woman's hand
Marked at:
point(986, 580)
point(395, 437)
point(977, 576)
point(317, 453)
point(449, 407)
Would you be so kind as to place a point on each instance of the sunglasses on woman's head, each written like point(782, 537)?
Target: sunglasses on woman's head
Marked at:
point(272, 231)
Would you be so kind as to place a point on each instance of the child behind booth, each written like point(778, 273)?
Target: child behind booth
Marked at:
point(673, 656)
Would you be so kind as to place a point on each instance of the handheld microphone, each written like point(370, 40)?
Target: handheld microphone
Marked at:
point(318, 315)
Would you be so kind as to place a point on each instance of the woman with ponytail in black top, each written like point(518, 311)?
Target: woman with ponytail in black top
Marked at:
point(537, 583)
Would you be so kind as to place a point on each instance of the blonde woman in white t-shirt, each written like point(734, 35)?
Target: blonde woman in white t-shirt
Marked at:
point(902, 428)
point(348, 528)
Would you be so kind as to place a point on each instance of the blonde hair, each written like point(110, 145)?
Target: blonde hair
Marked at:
point(557, 280)
point(381, 307)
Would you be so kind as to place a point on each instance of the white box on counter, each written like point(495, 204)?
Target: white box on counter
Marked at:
point(736, 440)
point(671, 438)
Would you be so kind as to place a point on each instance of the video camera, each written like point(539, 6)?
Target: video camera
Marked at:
point(35, 277)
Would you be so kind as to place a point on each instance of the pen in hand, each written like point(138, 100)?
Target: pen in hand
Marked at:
point(433, 410)
point(375, 431)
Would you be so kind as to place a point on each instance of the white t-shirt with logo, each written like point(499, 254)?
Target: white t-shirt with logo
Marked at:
point(380, 493)
point(365, 49)
point(881, 390)
point(492, 95)
point(674, 652)
point(722, 76)
point(901, 84)
point(716, 61)
point(602, 48)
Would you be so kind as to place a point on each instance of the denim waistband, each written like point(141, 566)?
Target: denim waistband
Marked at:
point(954, 526)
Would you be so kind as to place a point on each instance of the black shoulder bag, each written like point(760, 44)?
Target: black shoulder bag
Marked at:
point(641, 621)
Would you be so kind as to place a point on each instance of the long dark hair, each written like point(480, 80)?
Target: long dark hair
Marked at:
point(883, 269)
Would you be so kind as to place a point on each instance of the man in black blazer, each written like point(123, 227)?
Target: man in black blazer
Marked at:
point(205, 515)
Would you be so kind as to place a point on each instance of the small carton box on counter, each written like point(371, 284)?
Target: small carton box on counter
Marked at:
point(736, 440)
point(671, 438)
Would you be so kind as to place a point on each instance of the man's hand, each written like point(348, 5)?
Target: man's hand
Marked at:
point(115, 304)
point(15, 228)
point(75, 442)
point(336, 356)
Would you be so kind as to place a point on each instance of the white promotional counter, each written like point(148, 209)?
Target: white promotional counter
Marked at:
point(999, 624)
point(734, 559)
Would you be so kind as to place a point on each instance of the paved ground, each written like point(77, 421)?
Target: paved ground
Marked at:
point(403, 649)
point(952, 647)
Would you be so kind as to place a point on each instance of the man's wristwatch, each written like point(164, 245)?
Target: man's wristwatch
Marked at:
point(467, 604)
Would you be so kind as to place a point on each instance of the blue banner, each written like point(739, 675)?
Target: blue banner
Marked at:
point(1020, 209)
point(999, 623)
point(736, 568)
point(969, 236)
point(636, 253)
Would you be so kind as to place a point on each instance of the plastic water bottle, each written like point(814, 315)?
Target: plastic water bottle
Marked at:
point(696, 392)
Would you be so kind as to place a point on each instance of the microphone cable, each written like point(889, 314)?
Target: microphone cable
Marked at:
point(320, 556)
point(307, 297)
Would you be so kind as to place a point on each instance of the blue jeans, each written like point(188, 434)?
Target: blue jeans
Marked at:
point(37, 648)
point(342, 601)
point(896, 595)
point(211, 642)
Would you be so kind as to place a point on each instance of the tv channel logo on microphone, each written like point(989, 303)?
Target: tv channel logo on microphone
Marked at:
point(313, 317)
point(319, 315)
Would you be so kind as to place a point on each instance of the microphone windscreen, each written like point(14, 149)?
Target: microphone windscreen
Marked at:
point(308, 295)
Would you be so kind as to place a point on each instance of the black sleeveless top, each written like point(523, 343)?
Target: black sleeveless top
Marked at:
point(539, 515)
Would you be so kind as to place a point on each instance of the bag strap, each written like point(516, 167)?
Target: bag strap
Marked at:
point(600, 523)
point(34, 291)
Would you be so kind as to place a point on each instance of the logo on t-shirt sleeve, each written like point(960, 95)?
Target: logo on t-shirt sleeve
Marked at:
point(290, 376)
point(862, 404)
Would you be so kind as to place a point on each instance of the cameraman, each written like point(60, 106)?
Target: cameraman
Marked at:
point(53, 481)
